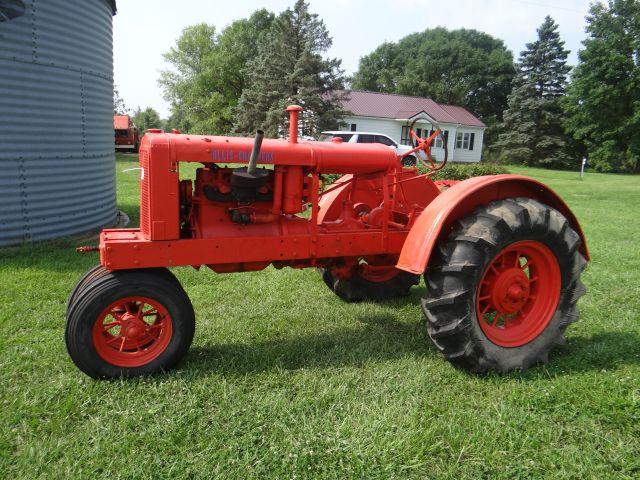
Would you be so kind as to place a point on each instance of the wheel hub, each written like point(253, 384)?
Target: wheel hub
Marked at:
point(133, 331)
point(518, 293)
point(510, 290)
point(132, 328)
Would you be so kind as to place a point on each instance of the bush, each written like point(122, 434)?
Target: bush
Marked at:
point(462, 171)
point(329, 178)
point(453, 171)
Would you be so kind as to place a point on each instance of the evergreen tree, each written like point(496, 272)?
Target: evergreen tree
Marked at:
point(145, 119)
point(532, 131)
point(603, 100)
point(289, 69)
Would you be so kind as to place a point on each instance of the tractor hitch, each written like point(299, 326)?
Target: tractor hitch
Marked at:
point(87, 249)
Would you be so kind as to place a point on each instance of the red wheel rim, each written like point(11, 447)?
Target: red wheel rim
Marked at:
point(132, 332)
point(377, 274)
point(518, 293)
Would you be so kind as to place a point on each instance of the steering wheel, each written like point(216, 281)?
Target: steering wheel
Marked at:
point(424, 145)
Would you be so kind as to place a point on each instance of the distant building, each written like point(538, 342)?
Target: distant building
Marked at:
point(392, 115)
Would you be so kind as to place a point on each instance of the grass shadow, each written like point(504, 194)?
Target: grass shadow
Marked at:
point(379, 338)
point(383, 338)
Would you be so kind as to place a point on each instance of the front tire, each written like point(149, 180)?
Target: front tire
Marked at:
point(503, 287)
point(128, 323)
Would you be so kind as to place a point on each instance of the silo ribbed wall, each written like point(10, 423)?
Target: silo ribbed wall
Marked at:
point(57, 162)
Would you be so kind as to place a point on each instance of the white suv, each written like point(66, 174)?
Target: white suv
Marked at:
point(370, 137)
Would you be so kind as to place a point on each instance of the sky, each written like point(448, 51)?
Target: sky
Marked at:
point(145, 29)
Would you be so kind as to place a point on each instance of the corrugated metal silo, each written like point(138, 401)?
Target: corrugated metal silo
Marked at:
point(57, 162)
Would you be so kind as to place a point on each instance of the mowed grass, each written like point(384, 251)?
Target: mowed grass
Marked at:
point(286, 381)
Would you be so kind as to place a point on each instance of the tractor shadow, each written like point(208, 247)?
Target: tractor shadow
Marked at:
point(382, 338)
point(375, 339)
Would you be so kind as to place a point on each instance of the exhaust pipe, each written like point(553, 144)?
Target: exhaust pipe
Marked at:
point(255, 153)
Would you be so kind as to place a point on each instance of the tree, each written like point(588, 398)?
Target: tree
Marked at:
point(462, 67)
point(119, 107)
point(289, 68)
point(145, 119)
point(603, 100)
point(208, 75)
point(532, 126)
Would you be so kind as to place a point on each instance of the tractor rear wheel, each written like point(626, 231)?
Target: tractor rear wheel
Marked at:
point(503, 287)
point(370, 283)
point(128, 323)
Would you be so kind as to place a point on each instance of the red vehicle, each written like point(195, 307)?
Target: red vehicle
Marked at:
point(126, 133)
point(501, 255)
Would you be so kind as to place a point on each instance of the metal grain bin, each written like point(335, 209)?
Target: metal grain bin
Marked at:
point(57, 162)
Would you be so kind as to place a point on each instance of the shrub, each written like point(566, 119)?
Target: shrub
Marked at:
point(453, 171)
point(462, 171)
point(329, 178)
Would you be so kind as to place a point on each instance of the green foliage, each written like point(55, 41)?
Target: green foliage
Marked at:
point(289, 68)
point(461, 67)
point(145, 119)
point(463, 171)
point(532, 132)
point(452, 171)
point(603, 101)
point(208, 74)
point(119, 107)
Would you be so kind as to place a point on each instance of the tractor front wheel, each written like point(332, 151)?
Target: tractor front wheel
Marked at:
point(503, 287)
point(128, 323)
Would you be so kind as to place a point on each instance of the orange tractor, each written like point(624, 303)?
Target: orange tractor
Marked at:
point(501, 256)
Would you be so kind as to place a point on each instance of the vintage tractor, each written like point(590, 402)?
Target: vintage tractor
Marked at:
point(501, 255)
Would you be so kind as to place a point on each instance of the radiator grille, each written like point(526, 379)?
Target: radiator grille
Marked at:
point(145, 215)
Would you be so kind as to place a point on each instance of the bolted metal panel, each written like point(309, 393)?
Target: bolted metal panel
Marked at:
point(57, 161)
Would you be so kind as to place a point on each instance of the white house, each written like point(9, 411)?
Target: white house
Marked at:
point(392, 115)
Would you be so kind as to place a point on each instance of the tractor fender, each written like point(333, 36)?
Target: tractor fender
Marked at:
point(438, 219)
point(330, 204)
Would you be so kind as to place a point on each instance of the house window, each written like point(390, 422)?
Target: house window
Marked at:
point(404, 137)
point(465, 141)
point(438, 141)
point(352, 127)
point(462, 141)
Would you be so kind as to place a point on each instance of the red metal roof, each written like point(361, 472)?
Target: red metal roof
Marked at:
point(462, 115)
point(120, 122)
point(388, 105)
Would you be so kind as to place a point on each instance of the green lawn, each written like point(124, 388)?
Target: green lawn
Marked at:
point(286, 381)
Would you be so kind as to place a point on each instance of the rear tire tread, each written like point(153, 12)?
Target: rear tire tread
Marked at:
point(449, 304)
